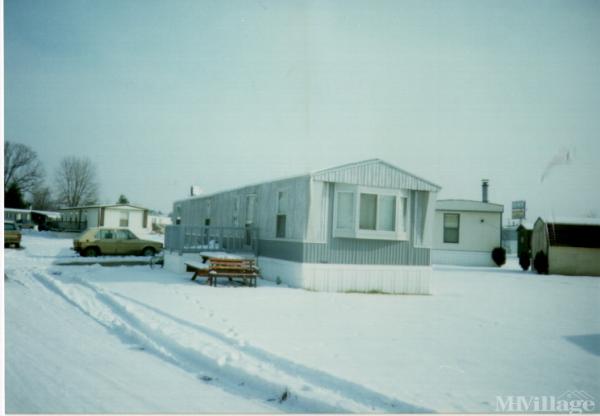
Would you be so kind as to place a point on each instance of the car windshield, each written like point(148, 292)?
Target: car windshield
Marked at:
point(9, 226)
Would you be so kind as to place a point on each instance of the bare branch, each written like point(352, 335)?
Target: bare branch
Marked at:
point(76, 183)
point(21, 167)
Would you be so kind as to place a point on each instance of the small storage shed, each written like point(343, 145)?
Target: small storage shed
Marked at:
point(466, 232)
point(109, 215)
point(364, 226)
point(572, 245)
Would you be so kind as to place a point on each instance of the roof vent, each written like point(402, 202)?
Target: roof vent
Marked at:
point(195, 190)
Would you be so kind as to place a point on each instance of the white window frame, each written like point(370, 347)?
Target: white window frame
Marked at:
point(401, 226)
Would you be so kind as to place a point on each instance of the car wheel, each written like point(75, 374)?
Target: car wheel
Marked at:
point(148, 252)
point(91, 252)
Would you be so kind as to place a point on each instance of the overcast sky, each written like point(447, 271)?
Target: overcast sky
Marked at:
point(162, 95)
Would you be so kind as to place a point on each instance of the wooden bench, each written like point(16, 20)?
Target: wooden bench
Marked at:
point(244, 269)
point(199, 269)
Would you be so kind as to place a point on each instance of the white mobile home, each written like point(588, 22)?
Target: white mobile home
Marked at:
point(360, 227)
point(109, 215)
point(466, 232)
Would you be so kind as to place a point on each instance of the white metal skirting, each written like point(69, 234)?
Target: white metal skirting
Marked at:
point(348, 277)
point(462, 258)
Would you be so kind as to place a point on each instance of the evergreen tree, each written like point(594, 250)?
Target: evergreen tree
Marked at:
point(13, 198)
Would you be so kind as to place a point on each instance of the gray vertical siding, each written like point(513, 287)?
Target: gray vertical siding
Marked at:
point(194, 211)
point(310, 239)
point(375, 173)
point(363, 251)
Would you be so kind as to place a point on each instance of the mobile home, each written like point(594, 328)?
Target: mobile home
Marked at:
point(108, 215)
point(364, 226)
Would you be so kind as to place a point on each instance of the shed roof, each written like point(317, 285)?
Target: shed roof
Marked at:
point(573, 232)
point(467, 205)
point(570, 220)
point(375, 172)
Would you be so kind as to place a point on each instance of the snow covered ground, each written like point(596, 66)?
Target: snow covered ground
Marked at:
point(133, 339)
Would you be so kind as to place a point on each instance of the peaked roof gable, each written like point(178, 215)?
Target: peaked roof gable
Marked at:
point(375, 172)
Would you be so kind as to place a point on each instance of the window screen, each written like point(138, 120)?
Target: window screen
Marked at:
point(124, 219)
point(368, 211)
point(451, 227)
point(280, 232)
point(387, 213)
point(345, 210)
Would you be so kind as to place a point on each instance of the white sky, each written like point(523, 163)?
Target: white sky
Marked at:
point(166, 94)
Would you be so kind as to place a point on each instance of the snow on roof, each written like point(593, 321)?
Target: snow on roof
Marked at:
point(570, 220)
point(467, 205)
point(51, 214)
point(102, 206)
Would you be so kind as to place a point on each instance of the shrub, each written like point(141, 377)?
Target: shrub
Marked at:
point(499, 256)
point(524, 261)
point(540, 262)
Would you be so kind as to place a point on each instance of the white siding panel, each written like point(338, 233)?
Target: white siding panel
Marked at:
point(462, 258)
point(348, 278)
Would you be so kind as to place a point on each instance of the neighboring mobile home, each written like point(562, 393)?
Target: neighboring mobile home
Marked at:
point(572, 245)
point(28, 218)
point(109, 215)
point(467, 231)
point(360, 227)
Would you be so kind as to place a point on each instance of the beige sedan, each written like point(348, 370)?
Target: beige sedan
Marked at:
point(12, 234)
point(113, 241)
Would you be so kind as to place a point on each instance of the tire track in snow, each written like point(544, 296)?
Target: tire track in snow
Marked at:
point(311, 377)
point(210, 355)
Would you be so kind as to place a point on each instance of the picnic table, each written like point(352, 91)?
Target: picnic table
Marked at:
point(214, 268)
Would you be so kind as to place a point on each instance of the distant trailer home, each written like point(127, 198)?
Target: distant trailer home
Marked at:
point(571, 245)
point(466, 231)
point(362, 227)
point(109, 215)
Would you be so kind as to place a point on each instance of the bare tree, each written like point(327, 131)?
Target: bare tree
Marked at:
point(21, 167)
point(41, 198)
point(76, 183)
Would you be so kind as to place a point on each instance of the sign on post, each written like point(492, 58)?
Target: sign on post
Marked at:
point(518, 210)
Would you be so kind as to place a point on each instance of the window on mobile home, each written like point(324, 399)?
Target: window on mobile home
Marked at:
point(250, 208)
point(345, 211)
point(451, 228)
point(362, 212)
point(236, 211)
point(282, 207)
point(124, 219)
